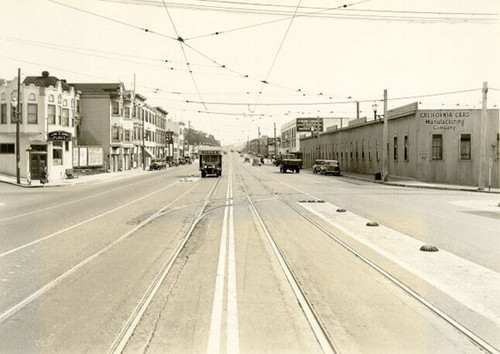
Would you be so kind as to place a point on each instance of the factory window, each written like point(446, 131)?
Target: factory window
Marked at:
point(465, 147)
point(395, 148)
point(437, 147)
point(406, 148)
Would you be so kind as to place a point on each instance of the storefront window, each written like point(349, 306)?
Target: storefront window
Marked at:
point(465, 147)
point(57, 153)
point(116, 133)
point(437, 147)
point(32, 113)
point(51, 113)
point(3, 113)
point(116, 107)
point(65, 117)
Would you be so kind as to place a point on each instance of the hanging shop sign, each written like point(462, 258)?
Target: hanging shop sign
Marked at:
point(169, 137)
point(59, 135)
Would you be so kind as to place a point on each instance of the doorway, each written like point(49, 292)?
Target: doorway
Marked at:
point(38, 161)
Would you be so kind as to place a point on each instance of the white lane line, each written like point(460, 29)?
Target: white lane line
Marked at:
point(9, 312)
point(213, 346)
point(70, 202)
point(83, 222)
point(232, 330)
point(232, 340)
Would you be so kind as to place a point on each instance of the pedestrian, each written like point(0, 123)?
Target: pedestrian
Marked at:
point(44, 177)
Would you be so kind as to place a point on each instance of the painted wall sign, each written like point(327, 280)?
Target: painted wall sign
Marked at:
point(445, 120)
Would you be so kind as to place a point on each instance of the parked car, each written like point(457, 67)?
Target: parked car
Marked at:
point(317, 166)
point(256, 161)
point(330, 167)
point(158, 164)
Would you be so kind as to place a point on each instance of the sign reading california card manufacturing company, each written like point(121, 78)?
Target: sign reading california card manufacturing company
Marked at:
point(445, 120)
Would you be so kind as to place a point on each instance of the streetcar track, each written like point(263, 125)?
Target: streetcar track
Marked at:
point(44, 238)
point(133, 321)
point(27, 300)
point(478, 341)
point(318, 328)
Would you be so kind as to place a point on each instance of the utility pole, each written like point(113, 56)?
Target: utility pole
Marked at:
point(385, 142)
point(18, 122)
point(188, 137)
point(258, 141)
point(143, 141)
point(275, 142)
point(482, 138)
point(357, 110)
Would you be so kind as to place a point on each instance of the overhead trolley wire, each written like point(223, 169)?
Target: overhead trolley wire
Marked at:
point(181, 43)
point(278, 51)
point(254, 11)
point(111, 19)
point(337, 102)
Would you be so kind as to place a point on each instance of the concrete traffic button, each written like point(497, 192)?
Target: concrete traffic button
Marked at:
point(429, 248)
point(371, 223)
point(341, 210)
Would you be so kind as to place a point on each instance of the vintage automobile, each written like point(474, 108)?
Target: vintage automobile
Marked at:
point(290, 162)
point(330, 167)
point(158, 164)
point(210, 161)
point(318, 164)
point(256, 161)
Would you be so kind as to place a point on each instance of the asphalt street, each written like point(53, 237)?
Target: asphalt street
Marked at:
point(254, 261)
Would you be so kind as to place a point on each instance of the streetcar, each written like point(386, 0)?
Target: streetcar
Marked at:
point(210, 161)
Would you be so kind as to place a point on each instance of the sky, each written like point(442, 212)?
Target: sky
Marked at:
point(271, 60)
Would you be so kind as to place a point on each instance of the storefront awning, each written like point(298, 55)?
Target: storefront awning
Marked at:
point(149, 153)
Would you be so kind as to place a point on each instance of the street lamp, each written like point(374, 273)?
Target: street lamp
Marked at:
point(374, 106)
point(18, 153)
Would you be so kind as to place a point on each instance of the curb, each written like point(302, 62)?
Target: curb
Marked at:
point(395, 184)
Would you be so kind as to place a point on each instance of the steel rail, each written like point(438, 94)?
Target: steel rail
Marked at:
point(30, 298)
point(319, 330)
point(478, 341)
point(127, 331)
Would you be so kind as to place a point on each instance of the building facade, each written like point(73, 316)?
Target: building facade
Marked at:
point(49, 116)
point(426, 144)
point(131, 132)
point(298, 128)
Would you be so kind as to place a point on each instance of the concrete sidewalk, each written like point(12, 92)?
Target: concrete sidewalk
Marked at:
point(81, 179)
point(411, 183)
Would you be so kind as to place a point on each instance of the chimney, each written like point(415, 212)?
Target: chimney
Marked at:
point(45, 74)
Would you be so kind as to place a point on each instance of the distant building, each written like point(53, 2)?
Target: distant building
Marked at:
point(49, 111)
point(437, 145)
point(298, 128)
point(131, 132)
